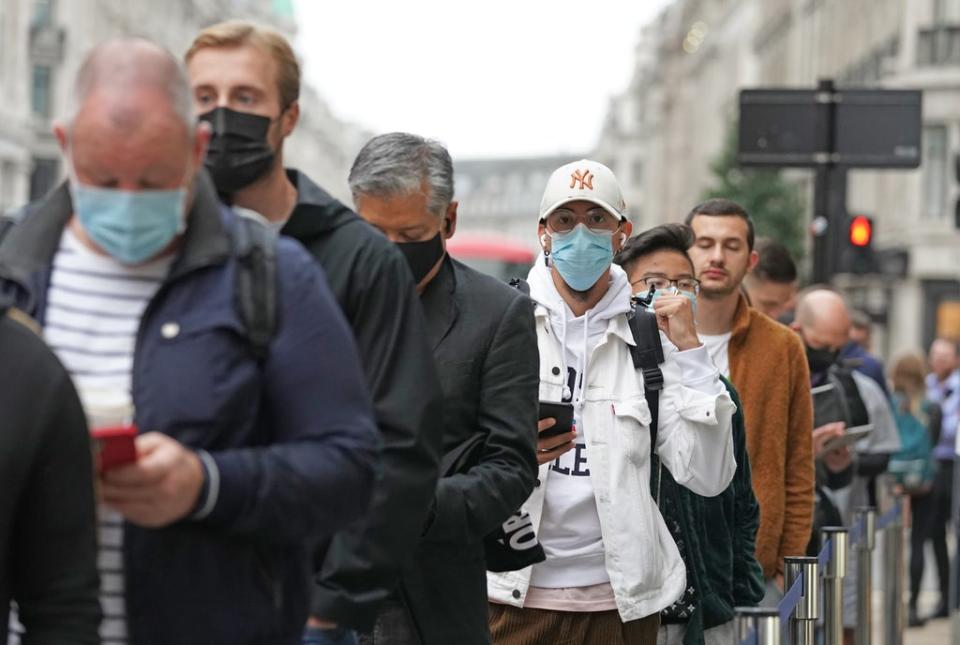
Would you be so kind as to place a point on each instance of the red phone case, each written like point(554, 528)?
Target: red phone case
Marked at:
point(116, 445)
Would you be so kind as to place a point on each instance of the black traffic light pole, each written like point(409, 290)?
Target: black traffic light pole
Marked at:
point(829, 191)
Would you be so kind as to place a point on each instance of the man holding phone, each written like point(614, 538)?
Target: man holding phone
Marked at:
point(484, 343)
point(611, 564)
point(248, 453)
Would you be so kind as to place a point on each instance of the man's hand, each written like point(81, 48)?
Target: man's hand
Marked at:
point(160, 488)
point(320, 623)
point(675, 319)
point(836, 460)
point(549, 449)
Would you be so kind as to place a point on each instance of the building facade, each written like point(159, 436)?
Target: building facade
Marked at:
point(692, 62)
point(45, 42)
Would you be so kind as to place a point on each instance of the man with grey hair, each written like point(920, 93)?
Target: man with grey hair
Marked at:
point(230, 451)
point(485, 346)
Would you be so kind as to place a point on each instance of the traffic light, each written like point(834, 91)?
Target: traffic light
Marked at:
point(858, 255)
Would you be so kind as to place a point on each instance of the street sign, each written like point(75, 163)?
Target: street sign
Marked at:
point(810, 128)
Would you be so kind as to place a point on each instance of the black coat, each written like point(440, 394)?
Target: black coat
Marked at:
point(485, 344)
point(373, 285)
point(48, 548)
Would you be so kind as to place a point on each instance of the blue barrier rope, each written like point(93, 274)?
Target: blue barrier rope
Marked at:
point(792, 598)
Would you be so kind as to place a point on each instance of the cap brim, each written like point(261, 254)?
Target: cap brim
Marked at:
point(579, 198)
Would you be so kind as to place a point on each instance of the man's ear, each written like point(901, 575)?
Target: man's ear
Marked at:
point(450, 220)
point(545, 242)
point(60, 132)
point(201, 139)
point(289, 119)
point(754, 259)
point(795, 326)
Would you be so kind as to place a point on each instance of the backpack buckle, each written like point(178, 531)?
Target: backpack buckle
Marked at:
point(652, 378)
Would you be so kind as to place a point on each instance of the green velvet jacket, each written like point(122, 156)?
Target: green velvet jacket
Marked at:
point(719, 535)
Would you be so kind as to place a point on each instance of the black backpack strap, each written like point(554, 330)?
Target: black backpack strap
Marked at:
point(647, 357)
point(255, 248)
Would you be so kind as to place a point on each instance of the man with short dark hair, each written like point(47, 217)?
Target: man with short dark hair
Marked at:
point(772, 284)
point(485, 345)
point(766, 363)
point(856, 352)
point(716, 536)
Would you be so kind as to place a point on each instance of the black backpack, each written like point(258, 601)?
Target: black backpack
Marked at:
point(255, 249)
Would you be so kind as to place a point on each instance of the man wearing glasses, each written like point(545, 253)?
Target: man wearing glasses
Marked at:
point(715, 535)
point(611, 564)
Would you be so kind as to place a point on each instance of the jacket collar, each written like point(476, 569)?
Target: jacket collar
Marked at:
point(34, 241)
point(316, 211)
point(741, 319)
point(440, 304)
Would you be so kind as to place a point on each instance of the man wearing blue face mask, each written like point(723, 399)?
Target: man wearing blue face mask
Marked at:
point(245, 451)
point(612, 564)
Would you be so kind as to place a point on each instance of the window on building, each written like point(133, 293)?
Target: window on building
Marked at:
point(42, 13)
point(40, 97)
point(935, 171)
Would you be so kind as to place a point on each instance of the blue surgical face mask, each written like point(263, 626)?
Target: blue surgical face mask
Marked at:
point(131, 226)
point(673, 291)
point(581, 256)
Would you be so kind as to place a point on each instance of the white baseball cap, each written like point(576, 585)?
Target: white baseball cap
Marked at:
point(585, 180)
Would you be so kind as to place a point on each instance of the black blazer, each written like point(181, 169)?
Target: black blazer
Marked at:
point(485, 345)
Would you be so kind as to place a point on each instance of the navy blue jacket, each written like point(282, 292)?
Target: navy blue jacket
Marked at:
point(293, 438)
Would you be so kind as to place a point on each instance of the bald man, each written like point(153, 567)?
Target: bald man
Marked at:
point(249, 449)
point(823, 322)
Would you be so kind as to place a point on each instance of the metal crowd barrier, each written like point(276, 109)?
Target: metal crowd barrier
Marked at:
point(796, 618)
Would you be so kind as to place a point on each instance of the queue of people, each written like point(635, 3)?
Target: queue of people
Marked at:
point(312, 425)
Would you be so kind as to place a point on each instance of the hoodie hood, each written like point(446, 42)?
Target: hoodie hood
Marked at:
point(579, 336)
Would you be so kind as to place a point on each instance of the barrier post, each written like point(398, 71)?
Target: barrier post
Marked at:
point(893, 572)
point(757, 626)
point(835, 572)
point(804, 621)
point(868, 516)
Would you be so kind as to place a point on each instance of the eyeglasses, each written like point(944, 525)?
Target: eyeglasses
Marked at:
point(658, 282)
point(597, 220)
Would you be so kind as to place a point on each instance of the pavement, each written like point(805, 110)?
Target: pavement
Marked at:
point(935, 632)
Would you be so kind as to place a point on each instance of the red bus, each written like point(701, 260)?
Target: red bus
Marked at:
point(494, 255)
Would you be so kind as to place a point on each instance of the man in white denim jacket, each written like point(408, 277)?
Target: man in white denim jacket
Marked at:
point(611, 563)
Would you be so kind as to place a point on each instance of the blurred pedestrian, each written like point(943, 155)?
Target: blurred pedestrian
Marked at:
point(246, 85)
point(772, 283)
point(823, 323)
point(485, 346)
point(856, 352)
point(611, 564)
point(716, 536)
point(251, 447)
point(766, 364)
point(943, 388)
point(48, 543)
point(918, 421)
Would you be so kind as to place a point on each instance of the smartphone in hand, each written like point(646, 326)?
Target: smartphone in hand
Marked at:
point(115, 445)
point(562, 412)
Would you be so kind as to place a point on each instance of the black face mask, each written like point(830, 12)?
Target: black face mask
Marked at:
point(820, 360)
point(422, 256)
point(239, 153)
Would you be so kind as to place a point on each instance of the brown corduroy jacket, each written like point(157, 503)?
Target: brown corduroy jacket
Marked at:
point(768, 366)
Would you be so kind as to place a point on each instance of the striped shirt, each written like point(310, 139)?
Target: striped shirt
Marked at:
point(94, 306)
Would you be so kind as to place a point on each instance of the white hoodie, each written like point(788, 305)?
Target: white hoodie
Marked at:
point(570, 526)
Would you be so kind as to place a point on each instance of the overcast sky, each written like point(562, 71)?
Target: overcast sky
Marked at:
point(493, 78)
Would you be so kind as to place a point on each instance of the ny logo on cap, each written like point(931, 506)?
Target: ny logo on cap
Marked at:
point(585, 179)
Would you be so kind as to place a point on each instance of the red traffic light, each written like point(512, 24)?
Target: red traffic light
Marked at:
point(861, 231)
